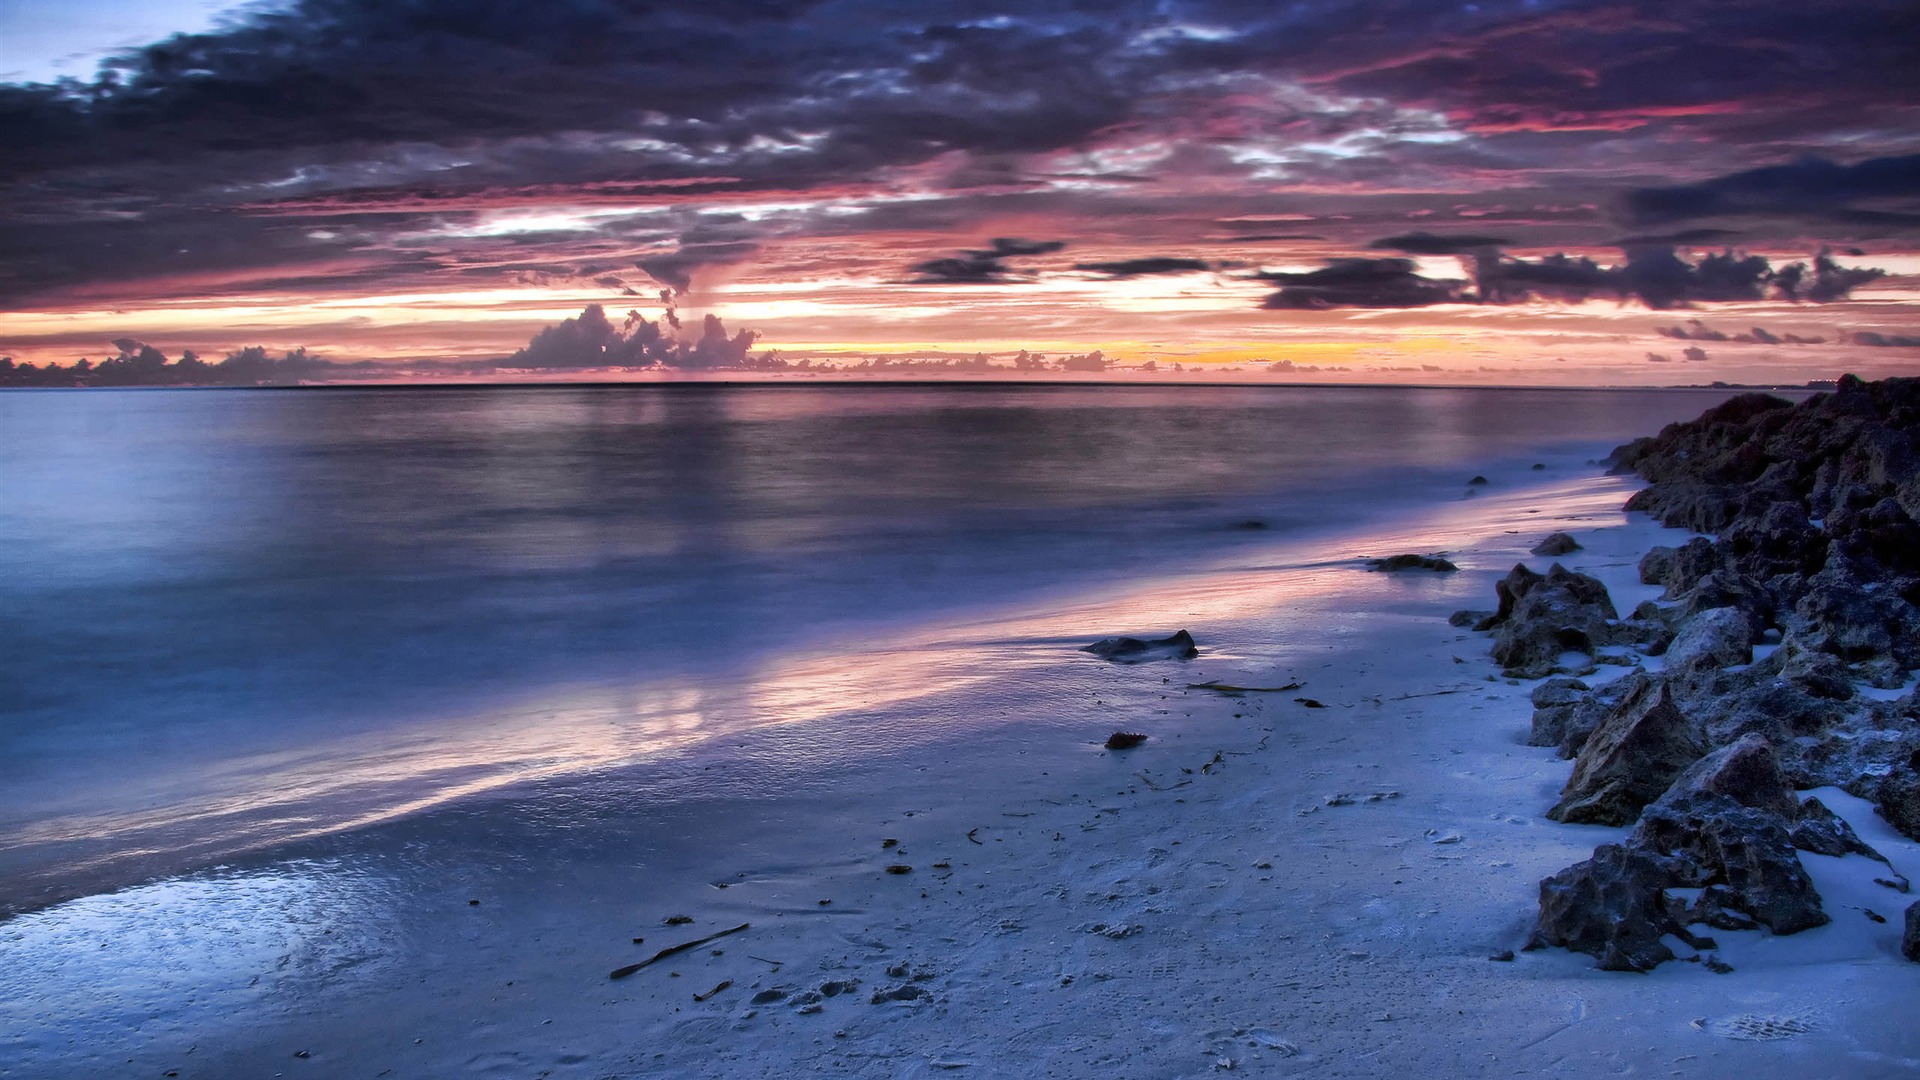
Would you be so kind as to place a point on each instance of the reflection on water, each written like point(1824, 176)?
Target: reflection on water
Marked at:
point(242, 614)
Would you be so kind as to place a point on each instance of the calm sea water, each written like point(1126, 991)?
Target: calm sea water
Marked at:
point(195, 583)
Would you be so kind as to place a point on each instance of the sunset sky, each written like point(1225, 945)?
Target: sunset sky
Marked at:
point(1197, 181)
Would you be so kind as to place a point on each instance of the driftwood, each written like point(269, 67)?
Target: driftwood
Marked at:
point(1229, 688)
point(723, 985)
point(621, 973)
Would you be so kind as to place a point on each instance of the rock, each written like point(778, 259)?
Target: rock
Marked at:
point(1395, 563)
point(1717, 638)
point(1680, 569)
point(1557, 544)
point(1823, 832)
point(1543, 616)
point(1745, 771)
point(1468, 617)
point(1127, 650)
point(1714, 840)
point(1124, 740)
point(1910, 942)
point(1613, 907)
point(1556, 704)
point(1630, 760)
point(1896, 797)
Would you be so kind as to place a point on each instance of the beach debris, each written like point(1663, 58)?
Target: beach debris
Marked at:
point(1263, 1039)
point(1346, 799)
point(1713, 963)
point(1230, 688)
point(672, 950)
point(1115, 931)
point(764, 960)
point(473, 903)
point(709, 995)
point(974, 838)
point(1130, 650)
point(1125, 740)
point(1311, 703)
point(889, 842)
point(903, 992)
point(1396, 563)
point(1148, 780)
point(1556, 544)
point(677, 920)
point(899, 868)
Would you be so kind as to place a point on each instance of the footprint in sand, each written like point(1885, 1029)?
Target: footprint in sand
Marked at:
point(1756, 1028)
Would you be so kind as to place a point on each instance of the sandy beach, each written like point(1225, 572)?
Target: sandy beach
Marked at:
point(1310, 881)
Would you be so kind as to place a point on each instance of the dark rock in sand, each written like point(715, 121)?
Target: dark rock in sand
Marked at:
point(1896, 797)
point(1557, 544)
point(1630, 760)
point(1128, 650)
point(1542, 616)
point(1824, 832)
point(1613, 907)
point(1556, 704)
point(1468, 617)
point(1745, 771)
point(1717, 638)
point(1910, 942)
point(1716, 840)
point(1395, 563)
point(1125, 740)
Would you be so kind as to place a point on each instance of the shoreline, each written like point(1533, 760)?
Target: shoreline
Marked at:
point(1238, 892)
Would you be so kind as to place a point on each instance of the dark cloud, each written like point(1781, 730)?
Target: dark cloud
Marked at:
point(1126, 268)
point(1696, 330)
point(1694, 353)
point(591, 340)
point(1368, 283)
point(675, 270)
point(1421, 243)
point(982, 267)
point(1879, 192)
point(1885, 341)
point(1658, 277)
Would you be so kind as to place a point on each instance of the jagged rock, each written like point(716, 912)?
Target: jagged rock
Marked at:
point(1630, 759)
point(1556, 544)
point(1395, 563)
point(1558, 704)
point(1745, 771)
point(1824, 832)
point(1713, 839)
point(1721, 637)
point(1910, 941)
point(1680, 569)
point(1896, 797)
point(1127, 650)
point(1613, 907)
point(1543, 616)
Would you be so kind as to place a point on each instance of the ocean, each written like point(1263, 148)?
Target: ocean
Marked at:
point(234, 618)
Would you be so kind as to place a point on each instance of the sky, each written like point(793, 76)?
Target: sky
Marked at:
point(1561, 192)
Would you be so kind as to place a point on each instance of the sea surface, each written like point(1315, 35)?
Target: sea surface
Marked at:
point(229, 618)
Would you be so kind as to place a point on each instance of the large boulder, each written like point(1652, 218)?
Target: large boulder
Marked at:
point(1743, 854)
point(1564, 717)
point(1745, 771)
point(1630, 760)
point(1542, 617)
point(1717, 638)
point(1613, 907)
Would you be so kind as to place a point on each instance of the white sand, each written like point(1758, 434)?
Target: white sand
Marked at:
point(1200, 903)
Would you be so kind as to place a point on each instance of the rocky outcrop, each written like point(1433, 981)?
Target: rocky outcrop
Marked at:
point(1128, 650)
point(1555, 545)
point(1910, 942)
point(1814, 516)
point(1613, 907)
point(1542, 617)
point(1396, 563)
point(1630, 759)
